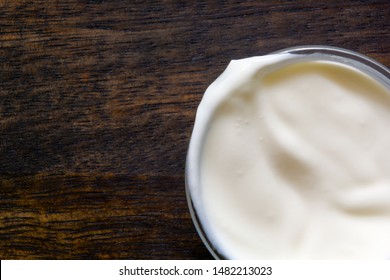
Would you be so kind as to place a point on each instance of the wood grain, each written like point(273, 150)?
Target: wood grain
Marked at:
point(97, 103)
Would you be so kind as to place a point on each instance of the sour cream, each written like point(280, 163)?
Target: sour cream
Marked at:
point(290, 159)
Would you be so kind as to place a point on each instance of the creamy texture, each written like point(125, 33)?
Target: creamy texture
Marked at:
point(295, 161)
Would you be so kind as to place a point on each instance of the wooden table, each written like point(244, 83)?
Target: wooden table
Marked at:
point(97, 104)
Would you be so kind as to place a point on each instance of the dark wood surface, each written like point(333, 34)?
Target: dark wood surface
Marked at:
point(97, 103)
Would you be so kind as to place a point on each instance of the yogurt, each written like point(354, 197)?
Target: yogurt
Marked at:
point(290, 159)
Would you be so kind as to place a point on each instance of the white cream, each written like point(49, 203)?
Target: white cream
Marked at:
point(290, 159)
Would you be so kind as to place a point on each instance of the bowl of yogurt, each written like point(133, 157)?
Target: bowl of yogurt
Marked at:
point(289, 158)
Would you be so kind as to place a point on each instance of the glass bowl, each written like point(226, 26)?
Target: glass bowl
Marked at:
point(192, 171)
